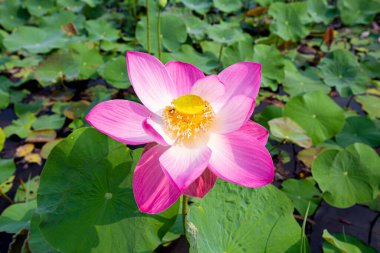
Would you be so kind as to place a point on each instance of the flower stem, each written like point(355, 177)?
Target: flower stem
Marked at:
point(185, 207)
point(220, 53)
point(159, 33)
point(147, 26)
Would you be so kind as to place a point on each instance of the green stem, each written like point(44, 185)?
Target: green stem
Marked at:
point(220, 53)
point(159, 33)
point(134, 9)
point(185, 208)
point(147, 25)
point(277, 145)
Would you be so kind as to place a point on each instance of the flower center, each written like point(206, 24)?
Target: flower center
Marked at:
point(188, 119)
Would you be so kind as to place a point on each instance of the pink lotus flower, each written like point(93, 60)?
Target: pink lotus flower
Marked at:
point(199, 125)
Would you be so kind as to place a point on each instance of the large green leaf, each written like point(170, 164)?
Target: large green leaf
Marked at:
point(319, 11)
point(206, 62)
point(317, 113)
point(288, 130)
point(341, 69)
point(225, 33)
point(37, 242)
point(34, 40)
point(348, 176)
point(236, 219)
point(342, 242)
point(90, 59)
point(39, 8)
point(228, 5)
point(7, 169)
point(61, 65)
point(358, 11)
point(11, 15)
point(17, 216)
point(100, 29)
point(21, 127)
point(272, 62)
point(115, 73)
point(371, 104)
point(302, 192)
point(289, 20)
point(359, 129)
point(172, 40)
point(86, 189)
point(201, 6)
point(54, 121)
point(300, 82)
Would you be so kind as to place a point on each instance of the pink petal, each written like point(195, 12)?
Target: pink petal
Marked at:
point(241, 78)
point(153, 191)
point(209, 88)
point(151, 81)
point(121, 120)
point(184, 76)
point(184, 165)
point(256, 130)
point(234, 114)
point(241, 159)
point(202, 185)
point(154, 127)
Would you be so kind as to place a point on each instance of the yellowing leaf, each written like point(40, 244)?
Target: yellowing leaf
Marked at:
point(45, 135)
point(24, 150)
point(33, 158)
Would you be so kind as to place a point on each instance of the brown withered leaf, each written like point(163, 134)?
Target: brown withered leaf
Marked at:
point(69, 29)
point(256, 12)
point(328, 37)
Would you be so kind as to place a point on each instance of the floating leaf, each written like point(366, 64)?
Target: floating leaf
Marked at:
point(319, 11)
point(87, 181)
point(28, 190)
point(371, 104)
point(320, 122)
point(39, 8)
point(2, 139)
point(359, 129)
point(11, 15)
point(302, 192)
point(61, 65)
point(33, 158)
point(341, 69)
point(288, 130)
point(357, 11)
point(24, 150)
point(348, 176)
point(5, 85)
point(270, 112)
point(200, 6)
point(6, 185)
point(54, 121)
point(76, 110)
point(272, 62)
point(340, 242)
point(7, 169)
point(289, 20)
point(34, 40)
point(100, 29)
point(206, 62)
point(172, 40)
point(48, 147)
point(89, 59)
point(44, 135)
point(225, 33)
point(115, 73)
point(265, 216)
point(307, 156)
point(300, 82)
point(36, 242)
point(17, 216)
point(21, 126)
point(228, 5)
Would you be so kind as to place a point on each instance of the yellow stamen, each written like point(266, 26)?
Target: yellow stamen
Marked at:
point(188, 119)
